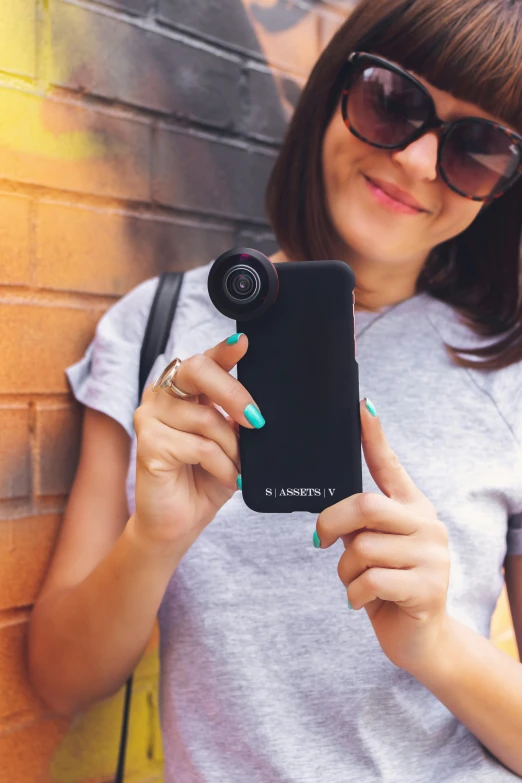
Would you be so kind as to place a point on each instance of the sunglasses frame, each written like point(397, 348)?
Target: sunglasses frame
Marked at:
point(433, 122)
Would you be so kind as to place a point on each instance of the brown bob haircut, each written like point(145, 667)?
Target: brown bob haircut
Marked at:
point(473, 49)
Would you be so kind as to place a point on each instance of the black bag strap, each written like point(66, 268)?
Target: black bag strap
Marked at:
point(159, 324)
point(154, 343)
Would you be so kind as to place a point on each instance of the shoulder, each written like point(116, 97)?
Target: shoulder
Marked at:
point(194, 292)
point(123, 325)
point(106, 378)
point(505, 388)
point(197, 324)
point(502, 386)
point(130, 313)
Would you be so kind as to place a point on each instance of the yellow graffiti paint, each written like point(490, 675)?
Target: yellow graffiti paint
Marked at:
point(45, 128)
point(31, 121)
point(18, 37)
point(90, 748)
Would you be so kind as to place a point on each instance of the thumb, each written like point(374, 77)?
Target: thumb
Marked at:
point(382, 461)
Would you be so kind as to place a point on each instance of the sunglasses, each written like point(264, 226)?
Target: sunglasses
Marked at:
point(387, 107)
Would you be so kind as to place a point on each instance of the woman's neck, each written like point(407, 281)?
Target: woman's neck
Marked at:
point(376, 288)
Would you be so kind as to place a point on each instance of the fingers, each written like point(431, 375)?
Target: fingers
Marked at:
point(370, 550)
point(208, 374)
point(364, 510)
point(383, 463)
point(204, 420)
point(172, 431)
point(162, 449)
point(405, 588)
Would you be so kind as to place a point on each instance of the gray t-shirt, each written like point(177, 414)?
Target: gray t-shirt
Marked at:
point(266, 675)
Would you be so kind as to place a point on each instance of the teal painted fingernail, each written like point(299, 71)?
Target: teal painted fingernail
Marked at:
point(316, 540)
point(349, 604)
point(234, 338)
point(239, 482)
point(253, 415)
point(370, 406)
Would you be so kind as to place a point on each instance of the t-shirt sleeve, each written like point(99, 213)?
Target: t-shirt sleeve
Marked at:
point(107, 377)
point(512, 408)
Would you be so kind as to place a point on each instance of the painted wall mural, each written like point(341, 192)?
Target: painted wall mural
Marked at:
point(135, 136)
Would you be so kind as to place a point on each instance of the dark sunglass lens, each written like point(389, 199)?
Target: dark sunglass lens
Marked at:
point(479, 159)
point(384, 107)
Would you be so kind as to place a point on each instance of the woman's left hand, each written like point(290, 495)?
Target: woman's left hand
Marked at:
point(396, 559)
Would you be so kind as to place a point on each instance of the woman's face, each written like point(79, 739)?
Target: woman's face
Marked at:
point(374, 230)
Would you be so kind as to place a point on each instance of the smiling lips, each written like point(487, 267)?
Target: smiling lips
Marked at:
point(400, 197)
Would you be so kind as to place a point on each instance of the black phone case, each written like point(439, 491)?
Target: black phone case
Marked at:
point(301, 370)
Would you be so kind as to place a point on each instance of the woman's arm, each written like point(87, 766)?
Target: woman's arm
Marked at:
point(95, 614)
point(482, 686)
point(96, 611)
point(401, 579)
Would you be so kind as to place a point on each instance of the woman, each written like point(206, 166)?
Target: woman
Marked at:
point(265, 673)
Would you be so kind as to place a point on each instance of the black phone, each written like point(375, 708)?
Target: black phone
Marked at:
point(301, 370)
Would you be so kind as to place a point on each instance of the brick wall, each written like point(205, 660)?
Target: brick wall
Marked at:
point(135, 136)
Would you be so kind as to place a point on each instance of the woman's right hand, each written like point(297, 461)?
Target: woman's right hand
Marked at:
point(187, 459)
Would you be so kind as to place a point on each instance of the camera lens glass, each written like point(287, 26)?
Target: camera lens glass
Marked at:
point(242, 283)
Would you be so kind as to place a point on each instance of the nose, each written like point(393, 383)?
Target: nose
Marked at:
point(420, 157)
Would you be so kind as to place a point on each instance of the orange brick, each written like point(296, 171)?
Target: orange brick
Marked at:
point(16, 695)
point(26, 753)
point(37, 343)
point(26, 546)
point(15, 243)
point(15, 462)
point(61, 145)
point(95, 251)
point(58, 432)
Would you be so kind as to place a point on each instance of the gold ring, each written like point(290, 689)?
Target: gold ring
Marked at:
point(165, 381)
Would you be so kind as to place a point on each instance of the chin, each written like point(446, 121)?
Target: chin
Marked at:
point(364, 239)
point(372, 236)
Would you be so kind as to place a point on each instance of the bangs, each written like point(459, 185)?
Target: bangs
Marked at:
point(469, 48)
